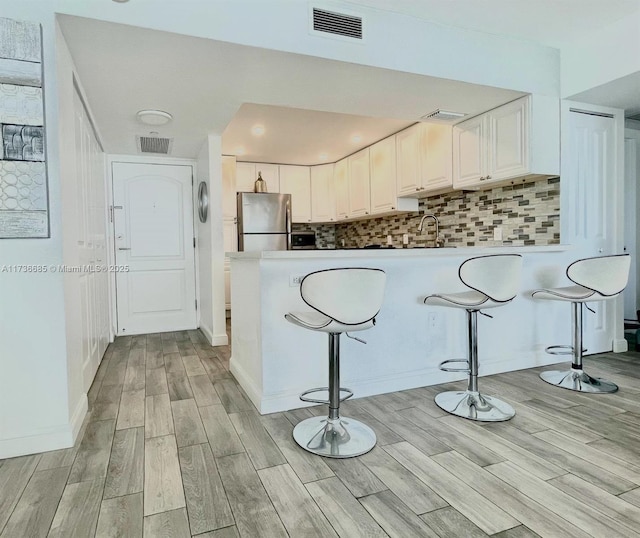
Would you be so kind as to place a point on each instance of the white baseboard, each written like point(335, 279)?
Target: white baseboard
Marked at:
point(254, 393)
point(620, 345)
point(215, 339)
point(46, 439)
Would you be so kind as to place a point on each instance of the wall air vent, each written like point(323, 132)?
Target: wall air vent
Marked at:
point(154, 144)
point(337, 24)
point(443, 116)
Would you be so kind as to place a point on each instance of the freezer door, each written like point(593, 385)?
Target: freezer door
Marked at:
point(263, 212)
point(260, 242)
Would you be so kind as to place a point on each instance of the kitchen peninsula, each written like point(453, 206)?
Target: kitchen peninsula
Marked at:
point(275, 361)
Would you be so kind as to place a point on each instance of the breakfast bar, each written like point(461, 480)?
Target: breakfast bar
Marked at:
point(275, 361)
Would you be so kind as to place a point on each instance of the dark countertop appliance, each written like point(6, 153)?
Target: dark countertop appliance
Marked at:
point(303, 241)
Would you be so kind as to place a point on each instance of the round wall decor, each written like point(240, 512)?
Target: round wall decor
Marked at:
point(203, 201)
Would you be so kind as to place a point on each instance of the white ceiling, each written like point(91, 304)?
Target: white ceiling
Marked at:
point(297, 136)
point(215, 87)
point(203, 83)
point(549, 22)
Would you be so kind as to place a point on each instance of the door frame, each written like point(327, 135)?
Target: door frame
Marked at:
point(111, 251)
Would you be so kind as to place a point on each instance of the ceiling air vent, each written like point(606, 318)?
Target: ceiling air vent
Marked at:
point(339, 24)
point(443, 116)
point(154, 144)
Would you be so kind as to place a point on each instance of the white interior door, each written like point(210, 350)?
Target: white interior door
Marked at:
point(589, 185)
point(153, 226)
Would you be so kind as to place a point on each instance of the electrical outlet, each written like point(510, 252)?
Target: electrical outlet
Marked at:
point(405, 239)
point(294, 280)
point(497, 233)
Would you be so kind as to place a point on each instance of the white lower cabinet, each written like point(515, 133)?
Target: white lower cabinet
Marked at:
point(296, 181)
point(323, 194)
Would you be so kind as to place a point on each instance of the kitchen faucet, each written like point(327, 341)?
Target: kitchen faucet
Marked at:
point(438, 242)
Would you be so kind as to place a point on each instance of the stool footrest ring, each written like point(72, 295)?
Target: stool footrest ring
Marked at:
point(561, 350)
point(445, 368)
point(324, 389)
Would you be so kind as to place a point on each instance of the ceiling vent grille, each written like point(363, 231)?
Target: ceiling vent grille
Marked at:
point(443, 116)
point(154, 144)
point(340, 24)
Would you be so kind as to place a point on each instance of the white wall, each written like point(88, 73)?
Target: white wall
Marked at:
point(632, 210)
point(211, 244)
point(601, 56)
point(392, 40)
point(34, 396)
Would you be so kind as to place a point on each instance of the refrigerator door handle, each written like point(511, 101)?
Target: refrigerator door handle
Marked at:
point(288, 223)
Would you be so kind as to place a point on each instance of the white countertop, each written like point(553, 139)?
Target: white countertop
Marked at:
point(394, 252)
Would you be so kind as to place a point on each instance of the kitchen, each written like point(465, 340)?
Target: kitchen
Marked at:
point(379, 195)
point(175, 405)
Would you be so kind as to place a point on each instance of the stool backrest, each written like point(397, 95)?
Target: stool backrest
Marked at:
point(497, 276)
point(607, 275)
point(350, 296)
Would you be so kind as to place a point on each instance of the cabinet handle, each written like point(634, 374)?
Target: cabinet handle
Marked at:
point(366, 212)
point(488, 177)
point(417, 188)
point(392, 207)
point(482, 178)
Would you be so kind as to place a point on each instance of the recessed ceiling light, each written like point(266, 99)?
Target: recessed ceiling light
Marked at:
point(356, 138)
point(239, 150)
point(323, 157)
point(154, 117)
point(257, 130)
point(121, 1)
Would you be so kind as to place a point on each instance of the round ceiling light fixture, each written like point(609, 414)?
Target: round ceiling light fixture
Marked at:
point(356, 138)
point(257, 130)
point(239, 151)
point(323, 157)
point(121, 1)
point(154, 117)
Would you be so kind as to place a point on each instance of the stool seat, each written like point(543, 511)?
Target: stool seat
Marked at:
point(465, 300)
point(316, 321)
point(571, 294)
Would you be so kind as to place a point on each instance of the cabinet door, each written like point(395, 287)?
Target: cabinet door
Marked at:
point(323, 194)
point(382, 158)
point(408, 161)
point(509, 140)
point(341, 184)
point(469, 152)
point(436, 154)
point(271, 175)
point(246, 176)
point(296, 181)
point(228, 186)
point(230, 235)
point(359, 184)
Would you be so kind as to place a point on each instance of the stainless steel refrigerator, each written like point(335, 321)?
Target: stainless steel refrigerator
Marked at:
point(264, 221)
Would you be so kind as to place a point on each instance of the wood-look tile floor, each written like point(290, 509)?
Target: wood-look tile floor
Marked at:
point(173, 448)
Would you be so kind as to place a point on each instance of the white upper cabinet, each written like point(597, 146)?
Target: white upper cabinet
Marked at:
point(341, 185)
point(247, 173)
point(228, 187)
point(408, 161)
point(515, 141)
point(436, 159)
point(508, 140)
point(359, 185)
point(382, 156)
point(296, 181)
point(469, 151)
point(323, 194)
point(245, 177)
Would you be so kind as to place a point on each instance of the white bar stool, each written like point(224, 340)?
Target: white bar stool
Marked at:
point(343, 301)
point(494, 281)
point(597, 279)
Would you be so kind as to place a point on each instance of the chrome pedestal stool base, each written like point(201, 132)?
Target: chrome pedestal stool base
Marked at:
point(474, 406)
point(578, 380)
point(334, 438)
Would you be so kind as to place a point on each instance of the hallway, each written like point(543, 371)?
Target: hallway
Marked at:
point(173, 448)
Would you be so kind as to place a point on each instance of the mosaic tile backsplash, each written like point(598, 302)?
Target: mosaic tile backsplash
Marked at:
point(528, 213)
